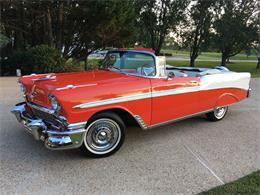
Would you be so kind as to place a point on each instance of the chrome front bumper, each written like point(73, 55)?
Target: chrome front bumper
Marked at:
point(53, 139)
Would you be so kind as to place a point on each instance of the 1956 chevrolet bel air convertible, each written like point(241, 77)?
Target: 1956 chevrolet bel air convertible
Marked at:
point(90, 110)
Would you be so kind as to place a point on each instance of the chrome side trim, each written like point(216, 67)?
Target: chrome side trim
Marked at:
point(154, 94)
point(41, 108)
point(140, 121)
point(179, 119)
point(177, 91)
point(114, 100)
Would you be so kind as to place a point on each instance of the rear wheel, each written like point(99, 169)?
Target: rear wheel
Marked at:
point(104, 136)
point(218, 114)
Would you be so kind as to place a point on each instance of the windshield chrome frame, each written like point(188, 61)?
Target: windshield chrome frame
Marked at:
point(156, 63)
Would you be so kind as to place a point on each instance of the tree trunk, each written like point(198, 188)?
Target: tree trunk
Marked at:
point(86, 64)
point(86, 60)
point(228, 60)
point(258, 63)
point(157, 51)
point(60, 27)
point(44, 28)
point(19, 38)
point(224, 60)
point(193, 54)
point(192, 61)
point(49, 27)
point(33, 29)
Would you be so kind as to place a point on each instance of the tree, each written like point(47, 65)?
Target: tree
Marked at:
point(157, 18)
point(197, 26)
point(97, 24)
point(256, 49)
point(74, 27)
point(256, 43)
point(3, 40)
point(233, 26)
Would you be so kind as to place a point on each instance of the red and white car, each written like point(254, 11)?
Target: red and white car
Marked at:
point(90, 110)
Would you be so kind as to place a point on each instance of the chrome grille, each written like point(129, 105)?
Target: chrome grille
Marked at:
point(46, 117)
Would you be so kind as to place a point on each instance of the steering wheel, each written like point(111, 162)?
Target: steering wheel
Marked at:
point(143, 72)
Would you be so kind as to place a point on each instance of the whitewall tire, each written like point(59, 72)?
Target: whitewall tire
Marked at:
point(218, 114)
point(104, 135)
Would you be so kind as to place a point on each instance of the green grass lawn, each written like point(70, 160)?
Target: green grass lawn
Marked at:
point(234, 66)
point(209, 55)
point(248, 185)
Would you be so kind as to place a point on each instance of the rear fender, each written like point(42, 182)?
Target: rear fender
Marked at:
point(226, 99)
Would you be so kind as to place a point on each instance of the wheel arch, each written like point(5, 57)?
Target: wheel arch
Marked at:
point(226, 99)
point(128, 118)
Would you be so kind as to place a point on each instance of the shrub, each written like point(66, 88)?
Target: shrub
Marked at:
point(39, 59)
point(72, 65)
point(165, 54)
point(93, 64)
point(16, 61)
point(44, 59)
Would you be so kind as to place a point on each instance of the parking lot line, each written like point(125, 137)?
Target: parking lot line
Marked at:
point(204, 164)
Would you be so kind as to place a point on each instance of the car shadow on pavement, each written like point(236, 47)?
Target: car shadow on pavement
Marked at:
point(20, 144)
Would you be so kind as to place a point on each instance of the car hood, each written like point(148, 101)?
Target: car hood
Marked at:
point(63, 80)
point(39, 87)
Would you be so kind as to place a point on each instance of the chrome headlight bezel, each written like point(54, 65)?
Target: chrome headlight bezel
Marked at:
point(22, 87)
point(54, 103)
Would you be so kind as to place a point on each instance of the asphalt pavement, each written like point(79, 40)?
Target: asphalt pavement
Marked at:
point(185, 157)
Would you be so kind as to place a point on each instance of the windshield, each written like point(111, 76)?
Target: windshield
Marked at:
point(130, 62)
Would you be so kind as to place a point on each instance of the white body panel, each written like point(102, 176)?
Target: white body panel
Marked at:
point(225, 80)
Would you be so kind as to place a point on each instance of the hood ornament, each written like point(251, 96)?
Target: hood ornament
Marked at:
point(47, 77)
point(75, 86)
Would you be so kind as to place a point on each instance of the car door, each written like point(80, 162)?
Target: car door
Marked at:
point(174, 98)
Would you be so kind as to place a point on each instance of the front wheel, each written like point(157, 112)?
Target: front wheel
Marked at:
point(104, 135)
point(218, 114)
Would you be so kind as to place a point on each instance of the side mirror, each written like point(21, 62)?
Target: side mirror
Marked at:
point(170, 75)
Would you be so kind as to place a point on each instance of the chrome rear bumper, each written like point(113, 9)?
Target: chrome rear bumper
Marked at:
point(53, 139)
point(249, 91)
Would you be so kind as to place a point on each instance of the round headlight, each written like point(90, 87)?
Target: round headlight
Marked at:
point(22, 88)
point(54, 103)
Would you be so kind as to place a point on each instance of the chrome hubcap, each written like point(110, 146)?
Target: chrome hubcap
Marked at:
point(103, 135)
point(220, 112)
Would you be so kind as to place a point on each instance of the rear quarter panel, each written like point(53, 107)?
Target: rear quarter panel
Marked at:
point(223, 89)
